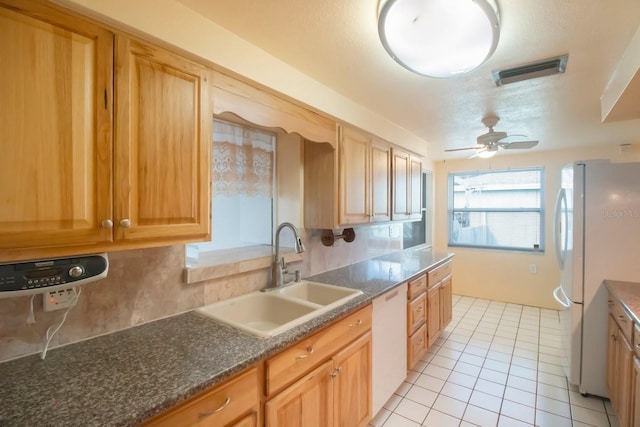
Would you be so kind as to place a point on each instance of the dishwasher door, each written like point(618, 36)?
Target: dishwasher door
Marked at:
point(389, 355)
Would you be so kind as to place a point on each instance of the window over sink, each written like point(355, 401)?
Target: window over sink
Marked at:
point(243, 189)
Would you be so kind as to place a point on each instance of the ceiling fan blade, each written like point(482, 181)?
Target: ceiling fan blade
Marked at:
point(490, 137)
point(461, 149)
point(508, 138)
point(519, 145)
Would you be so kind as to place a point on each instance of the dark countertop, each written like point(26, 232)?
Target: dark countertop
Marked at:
point(128, 376)
point(629, 295)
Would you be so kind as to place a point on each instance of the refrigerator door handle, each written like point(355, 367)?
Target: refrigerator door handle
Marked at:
point(557, 228)
point(564, 301)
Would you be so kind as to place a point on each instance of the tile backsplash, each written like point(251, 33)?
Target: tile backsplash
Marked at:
point(148, 284)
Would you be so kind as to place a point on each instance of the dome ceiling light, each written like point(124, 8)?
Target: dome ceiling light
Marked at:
point(439, 38)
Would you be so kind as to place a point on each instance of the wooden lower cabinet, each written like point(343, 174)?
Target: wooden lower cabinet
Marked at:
point(307, 402)
point(416, 320)
point(635, 415)
point(352, 384)
point(417, 346)
point(434, 327)
point(235, 403)
point(620, 365)
point(337, 393)
point(446, 306)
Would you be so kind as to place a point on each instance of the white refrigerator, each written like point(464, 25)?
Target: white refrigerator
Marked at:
point(597, 237)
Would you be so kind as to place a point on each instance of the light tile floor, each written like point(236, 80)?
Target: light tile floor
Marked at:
point(496, 364)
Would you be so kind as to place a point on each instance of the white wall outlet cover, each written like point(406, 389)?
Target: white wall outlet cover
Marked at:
point(58, 299)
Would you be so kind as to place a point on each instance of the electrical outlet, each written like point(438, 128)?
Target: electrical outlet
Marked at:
point(533, 268)
point(57, 300)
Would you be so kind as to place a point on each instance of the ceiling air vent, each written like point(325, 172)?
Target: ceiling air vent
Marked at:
point(546, 67)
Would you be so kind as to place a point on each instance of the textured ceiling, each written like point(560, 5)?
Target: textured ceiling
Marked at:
point(336, 43)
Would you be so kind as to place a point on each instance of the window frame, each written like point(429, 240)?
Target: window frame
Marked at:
point(540, 248)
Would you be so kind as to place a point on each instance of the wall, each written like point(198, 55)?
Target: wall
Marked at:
point(501, 275)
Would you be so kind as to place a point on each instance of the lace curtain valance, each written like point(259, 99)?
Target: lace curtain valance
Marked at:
point(243, 160)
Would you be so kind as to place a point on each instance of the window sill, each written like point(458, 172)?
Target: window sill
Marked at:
point(219, 264)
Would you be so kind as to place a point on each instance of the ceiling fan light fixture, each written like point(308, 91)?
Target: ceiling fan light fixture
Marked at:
point(439, 38)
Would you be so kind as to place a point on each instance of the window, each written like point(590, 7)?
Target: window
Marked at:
point(498, 209)
point(243, 182)
point(419, 232)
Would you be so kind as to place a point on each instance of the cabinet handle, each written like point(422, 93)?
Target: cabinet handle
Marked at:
point(358, 323)
point(622, 317)
point(105, 99)
point(638, 345)
point(304, 356)
point(107, 223)
point(215, 411)
point(420, 308)
point(336, 372)
point(392, 295)
point(613, 337)
point(125, 223)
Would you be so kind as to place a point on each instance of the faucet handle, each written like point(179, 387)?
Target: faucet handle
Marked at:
point(282, 264)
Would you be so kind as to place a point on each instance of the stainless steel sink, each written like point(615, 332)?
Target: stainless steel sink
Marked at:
point(266, 314)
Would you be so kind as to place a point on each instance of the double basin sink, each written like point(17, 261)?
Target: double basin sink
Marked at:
point(266, 314)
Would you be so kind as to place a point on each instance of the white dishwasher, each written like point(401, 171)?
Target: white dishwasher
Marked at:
point(389, 358)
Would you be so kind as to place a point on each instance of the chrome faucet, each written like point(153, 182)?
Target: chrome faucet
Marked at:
point(279, 268)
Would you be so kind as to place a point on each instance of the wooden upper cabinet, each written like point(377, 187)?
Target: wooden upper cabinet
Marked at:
point(162, 144)
point(407, 186)
point(86, 169)
point(353, 158)
point(415, 185)
point(380, 181)
point(347, 186)
point(55, 128)
point(365, 168)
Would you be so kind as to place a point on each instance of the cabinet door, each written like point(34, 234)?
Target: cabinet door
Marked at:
point(400, 197)
point(353, 384)
point(55, 130)
point(417, 346)
point(624, 376)
point(380, 182)
point(635, 415)
point(612, 333)
point(307, 402)
point(354, 182)
point(415, 188)
point(416, 315)
point(433, 314)
point(162, 146)
point(446, 303)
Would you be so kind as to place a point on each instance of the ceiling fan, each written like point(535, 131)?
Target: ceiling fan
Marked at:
point(489, 143)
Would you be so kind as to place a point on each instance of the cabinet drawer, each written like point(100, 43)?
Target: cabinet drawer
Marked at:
point(417, 346)
point(439, 273)
point(416, 315)
point(417, 286)
point(308, 353)
point(622, 318)
point(216, 407)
